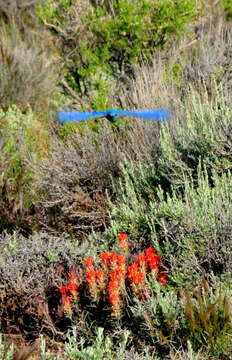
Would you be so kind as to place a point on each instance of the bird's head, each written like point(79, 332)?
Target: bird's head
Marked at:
point(112, 115)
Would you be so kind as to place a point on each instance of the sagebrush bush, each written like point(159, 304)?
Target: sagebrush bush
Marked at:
point(32, 270)
point(191, 227)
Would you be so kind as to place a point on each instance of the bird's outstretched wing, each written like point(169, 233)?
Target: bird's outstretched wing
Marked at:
point(76, 116)
point(154, 114)
point(112, 115)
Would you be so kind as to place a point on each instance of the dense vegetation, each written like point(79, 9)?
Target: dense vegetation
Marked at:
point(115, 240)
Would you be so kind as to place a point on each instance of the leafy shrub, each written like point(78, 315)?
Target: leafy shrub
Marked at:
point(102, 348)
point(124, 30)
point(116, 34)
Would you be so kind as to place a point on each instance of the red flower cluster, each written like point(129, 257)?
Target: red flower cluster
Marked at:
point(123, 243)
point(111, 260)
point(116, 287)
point(112, 276)
point(136, 279)
point(95, 279)
point(146, 263)
point(69, 292)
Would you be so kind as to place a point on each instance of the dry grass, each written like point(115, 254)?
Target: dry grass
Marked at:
point(74, 180)
point(27, 77)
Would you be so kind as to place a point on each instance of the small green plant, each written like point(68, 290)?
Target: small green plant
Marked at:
point(102, 348)
point(208, 318)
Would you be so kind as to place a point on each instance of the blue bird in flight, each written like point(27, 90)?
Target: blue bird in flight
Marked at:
point(112, 115)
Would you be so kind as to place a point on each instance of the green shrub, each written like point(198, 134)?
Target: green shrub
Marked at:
point(191, 227)
point(227, 5)
point(103, 348)
point(125, 30)
point(115, 35)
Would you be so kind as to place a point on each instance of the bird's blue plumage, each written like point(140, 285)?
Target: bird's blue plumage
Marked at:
point(112, 115)
point(76, 116)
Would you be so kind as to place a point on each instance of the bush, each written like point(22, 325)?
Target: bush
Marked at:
point(74, 182)
point(116, 34)
point(192, 228)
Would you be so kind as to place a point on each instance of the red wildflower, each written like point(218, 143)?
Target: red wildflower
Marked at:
point(150, 252)
point(109, 259)
point(88, 262)
point(104, 258)
point(90, 276)
point(100, 277)
point(136, 277)
point(113, 286)
point(113, 259)
point(123, 238)
point(92, 284)
point(72, 287)
point(100, 274)
point(114, 276)
point(67, 304)
point(63, 290)
point(139, 278)
point(123, 242)
point(141, 260)
point(72, 276)
point(163, 279)
point(121, 260)
point(154, 262)
point(114, 299)
point(132, 268)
